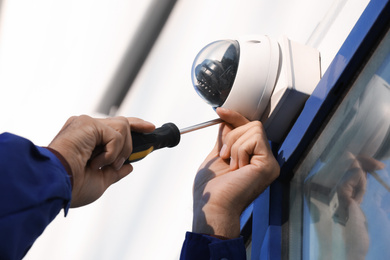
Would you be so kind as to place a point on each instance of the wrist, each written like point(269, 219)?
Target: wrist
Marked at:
point(216, 222)
point(64, 163)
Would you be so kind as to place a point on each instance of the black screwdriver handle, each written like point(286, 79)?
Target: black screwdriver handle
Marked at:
point(168, 135)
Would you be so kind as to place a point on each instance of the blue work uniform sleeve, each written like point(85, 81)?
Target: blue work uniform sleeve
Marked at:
point(203, 247)
point(34, 187)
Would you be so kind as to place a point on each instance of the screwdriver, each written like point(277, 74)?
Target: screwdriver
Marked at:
point(168, 135)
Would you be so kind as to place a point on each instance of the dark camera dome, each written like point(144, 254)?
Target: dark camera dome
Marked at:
point(214, 70)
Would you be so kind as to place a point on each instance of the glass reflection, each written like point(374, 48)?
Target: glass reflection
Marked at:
point(347, 192)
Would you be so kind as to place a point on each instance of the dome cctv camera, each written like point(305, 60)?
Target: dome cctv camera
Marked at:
point(259, 77)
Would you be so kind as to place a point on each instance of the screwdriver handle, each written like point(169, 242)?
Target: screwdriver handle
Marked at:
point(168, 135)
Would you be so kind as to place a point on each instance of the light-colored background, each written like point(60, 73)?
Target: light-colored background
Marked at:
point(57, 59)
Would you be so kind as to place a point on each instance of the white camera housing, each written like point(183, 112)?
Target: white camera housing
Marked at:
point(272, 80)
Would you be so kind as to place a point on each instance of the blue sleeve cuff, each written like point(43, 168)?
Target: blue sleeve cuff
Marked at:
point(34, 187)
point(201, 246)
point(32, 175)
point(62, 169)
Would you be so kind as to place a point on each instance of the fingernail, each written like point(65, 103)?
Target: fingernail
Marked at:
point(223, 150)
point(222, 109)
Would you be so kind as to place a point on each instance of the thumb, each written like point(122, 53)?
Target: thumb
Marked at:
point(231, 117)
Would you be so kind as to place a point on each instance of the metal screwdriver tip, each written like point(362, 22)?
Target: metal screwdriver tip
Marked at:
point(200, 126)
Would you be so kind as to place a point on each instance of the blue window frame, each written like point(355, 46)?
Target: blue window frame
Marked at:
point(276, 231)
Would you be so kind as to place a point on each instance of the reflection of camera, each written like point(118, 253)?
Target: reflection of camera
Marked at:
point(258, 77)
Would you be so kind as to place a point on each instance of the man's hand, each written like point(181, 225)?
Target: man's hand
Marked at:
point(239, 168)
point(96, 150)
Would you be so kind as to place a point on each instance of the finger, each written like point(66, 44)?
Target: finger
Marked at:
point(140, 125)
point(243, 148)
point(231, 117)
point(111, 175)
point(245, 142)
point(360, 189)
point(370, 164)
point(121, 124)
point(359, 193)
point(245, 151)
point(230, 138)
point(112, 141)
point(232, 120)
point(220, 148)
point(215, 152)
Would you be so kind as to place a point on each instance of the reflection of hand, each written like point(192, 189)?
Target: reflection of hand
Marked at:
point(354, 182)
point(353, 185)
point(356, 233)
point(238, 169)
point(96, 150)
point(351, 190)
point(369, 164)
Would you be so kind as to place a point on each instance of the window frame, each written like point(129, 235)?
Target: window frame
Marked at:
point(270, 232)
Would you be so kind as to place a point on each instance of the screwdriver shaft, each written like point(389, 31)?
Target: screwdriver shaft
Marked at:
point(200, 126)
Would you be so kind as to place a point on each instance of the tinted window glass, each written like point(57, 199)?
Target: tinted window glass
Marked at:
point(340, 195)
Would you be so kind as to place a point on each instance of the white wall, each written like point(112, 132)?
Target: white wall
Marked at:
point(146, 215)
point(61, 55)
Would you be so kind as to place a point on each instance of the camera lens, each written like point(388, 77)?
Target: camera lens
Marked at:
point(214, 70)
